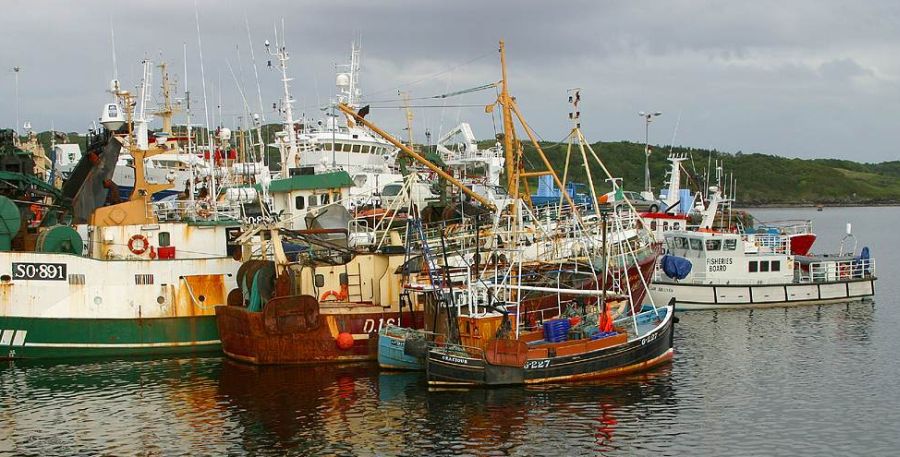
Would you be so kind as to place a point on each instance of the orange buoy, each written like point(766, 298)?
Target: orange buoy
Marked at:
point(344, 341)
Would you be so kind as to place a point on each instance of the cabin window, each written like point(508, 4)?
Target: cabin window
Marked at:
point(681, 243)
point(367, 149)
point(312, 201)
point(776, 265)
point(325, 199)
point(320, 280)
point(696, 244)
point(665, 225)
point(392, 190)
point(764, 265)
point(356, 148)
point(165, 239)
point(336, 196)
point(300, 202)
point(713, 245)
point(754, 266)
point(730, 245)
point(346, 147)
point(653, 224)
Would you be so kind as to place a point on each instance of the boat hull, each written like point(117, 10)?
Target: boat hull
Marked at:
point(736, 296)
point(85, 307)
point(278, 336)
point(392, 354)
point(50, 338)
point(632, 356)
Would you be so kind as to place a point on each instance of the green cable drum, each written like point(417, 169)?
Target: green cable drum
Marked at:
point(60, 239)
point(10, 223)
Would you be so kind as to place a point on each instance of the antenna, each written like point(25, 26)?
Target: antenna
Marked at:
point(209, 142)
point(16, 70)
point(292, 157)
point(112, 33)
point(261, 118)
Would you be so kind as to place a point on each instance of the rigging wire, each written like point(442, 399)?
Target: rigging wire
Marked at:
point(433, 76)
point(440, 96)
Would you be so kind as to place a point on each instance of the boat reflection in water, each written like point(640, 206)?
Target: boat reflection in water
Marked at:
point(357, 409)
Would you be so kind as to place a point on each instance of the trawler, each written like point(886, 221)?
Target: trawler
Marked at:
point(133, 277)
point(506, 327)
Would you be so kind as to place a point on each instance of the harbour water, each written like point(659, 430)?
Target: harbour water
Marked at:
point(820, 380)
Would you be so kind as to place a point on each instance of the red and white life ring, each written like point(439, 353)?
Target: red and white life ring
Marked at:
point(138, 244)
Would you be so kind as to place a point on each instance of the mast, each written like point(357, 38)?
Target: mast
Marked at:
point(168, 110)
point(258, 119)
point(292, 158)
point(512, 184)
point(187, 111)
point(409, 118)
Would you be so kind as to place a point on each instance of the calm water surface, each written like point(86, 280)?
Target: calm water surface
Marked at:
point(800, 381)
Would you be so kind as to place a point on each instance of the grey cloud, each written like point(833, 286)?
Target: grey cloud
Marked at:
point(800, 78)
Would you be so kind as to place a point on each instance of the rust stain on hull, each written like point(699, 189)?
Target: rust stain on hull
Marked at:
point(291, 330)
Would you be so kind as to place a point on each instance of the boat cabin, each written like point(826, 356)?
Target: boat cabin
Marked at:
point(296, 196)
point(661, 223)
point(730, 258)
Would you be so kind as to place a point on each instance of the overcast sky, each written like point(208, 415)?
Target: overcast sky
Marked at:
point(795, 78)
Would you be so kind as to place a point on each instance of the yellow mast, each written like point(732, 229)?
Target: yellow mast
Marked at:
point(514, 169)
point(168, 110)
point(409, 119)
point(512, 181)
point(136, 209)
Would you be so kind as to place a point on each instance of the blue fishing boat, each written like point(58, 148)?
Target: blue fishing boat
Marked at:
point(402, 348)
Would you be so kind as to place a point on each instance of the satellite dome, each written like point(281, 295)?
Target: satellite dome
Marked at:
point(343, 80)
point(112, 117)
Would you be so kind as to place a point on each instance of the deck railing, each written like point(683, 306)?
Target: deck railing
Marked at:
point(194, 211)
point(835, 270)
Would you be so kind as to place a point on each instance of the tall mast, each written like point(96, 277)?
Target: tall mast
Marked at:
point(353, 96)
point(258, 119)
point(409, 118)
point(512, 181)
point(168, 110)
point(292, 157)
point(190, 140)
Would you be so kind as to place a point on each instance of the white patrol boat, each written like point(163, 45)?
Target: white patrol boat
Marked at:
point(710, 270)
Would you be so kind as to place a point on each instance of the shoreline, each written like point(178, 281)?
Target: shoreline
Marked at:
point(814, 205)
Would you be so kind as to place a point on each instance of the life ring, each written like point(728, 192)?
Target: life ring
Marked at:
point(843, 271)
point(338, 296)
point(138, 250)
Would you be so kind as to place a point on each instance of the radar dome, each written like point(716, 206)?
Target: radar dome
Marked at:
point(343, 80)
point(112, 117)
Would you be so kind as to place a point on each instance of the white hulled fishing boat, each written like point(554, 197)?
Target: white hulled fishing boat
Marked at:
point(711, 270)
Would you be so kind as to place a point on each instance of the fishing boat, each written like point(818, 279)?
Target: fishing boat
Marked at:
point(338, 143)
point(495, 336)
point(304, 299)
point(128, 278)
point(713, 270)
point(537, 357)
point(684, 210)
